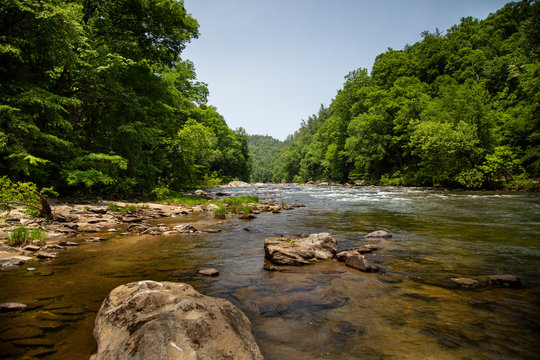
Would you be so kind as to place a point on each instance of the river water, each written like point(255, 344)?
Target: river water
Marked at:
point(410, 310)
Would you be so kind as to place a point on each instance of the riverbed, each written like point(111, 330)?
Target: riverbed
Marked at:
point(409, 310)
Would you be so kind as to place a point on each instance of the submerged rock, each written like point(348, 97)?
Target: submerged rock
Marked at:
point(152, 320)
point(378, 234)
point(290, 250)
point(504, 280)
point(359, 262)
point(466, 282)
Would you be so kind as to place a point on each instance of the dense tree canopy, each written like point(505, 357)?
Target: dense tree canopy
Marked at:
point(459, 109)
point(95, 97)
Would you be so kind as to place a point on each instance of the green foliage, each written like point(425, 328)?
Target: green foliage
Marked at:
point(96, 99)
point(22, 194)
point(22, 236)
point(456, 109)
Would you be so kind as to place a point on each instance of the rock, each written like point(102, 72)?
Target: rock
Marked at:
point(365, 249)
point(300, 250)
point(185, 228)
point(96, 209)
point(295, 205)
point(13, 261)
point(151, 320)
point(85, 227)
point(211, 231)
point(197, 208)
point(154, 230)
point(504, 280)
point(68, 243)
point(46, 255)
point(94, 239)
point(132, 219)
point(359, 262)
point(65, 218)
point(222, 194)
point(112, 230)
point(211, 207)
point(9, 307)
point(209, 272)
point(201, 193)
point(466, 282)
point(378, 234)
point(53, 246)
point(235, 184)
point(31, 248)
point(30, 269)
point(247, 217)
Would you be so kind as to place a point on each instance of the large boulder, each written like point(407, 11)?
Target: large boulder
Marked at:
point(300, 250)
point(152, 320)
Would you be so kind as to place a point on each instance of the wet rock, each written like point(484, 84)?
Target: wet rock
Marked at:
point(359, 262)
point(14, 260)
point(295, 205)
point(211, 231)
point(154, 230)
point(112, 230)
point(219, 193)
point(209, 272)
point(365, 249)
point(46, 255)
point(68, 243)
point(466, 282)
point(247, 217)
point(85, 227)
point(504, 280)
point(94, 239)
point(185, 228)
point(378, 234)
point(151, 320)
point(9, 307)
point(300, 250)
point(201, 193)
point(53, 246)
point(31, 248)
point(30, 269)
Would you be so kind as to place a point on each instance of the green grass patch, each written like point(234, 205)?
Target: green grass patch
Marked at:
point(22, 236)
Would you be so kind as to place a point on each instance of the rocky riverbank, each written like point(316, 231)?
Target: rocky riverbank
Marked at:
point(97, 221)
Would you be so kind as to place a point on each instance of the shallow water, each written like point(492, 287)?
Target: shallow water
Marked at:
point(408, 311)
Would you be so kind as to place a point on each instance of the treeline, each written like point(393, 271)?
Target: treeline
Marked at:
point(459, 109)
point(95, 99)
point(263, 150)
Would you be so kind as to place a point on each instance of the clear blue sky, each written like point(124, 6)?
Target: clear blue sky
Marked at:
point(271, 63)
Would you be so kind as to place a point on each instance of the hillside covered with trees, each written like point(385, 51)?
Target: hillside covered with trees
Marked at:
point(95, 99)
point(263, 150)
point(455, 109)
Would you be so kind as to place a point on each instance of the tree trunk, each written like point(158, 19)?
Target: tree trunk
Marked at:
point(45, 211)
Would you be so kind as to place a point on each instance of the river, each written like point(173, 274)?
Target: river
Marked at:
point(409, 310)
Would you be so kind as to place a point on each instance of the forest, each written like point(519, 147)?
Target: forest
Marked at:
point(95, 99)
point(457, 109)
